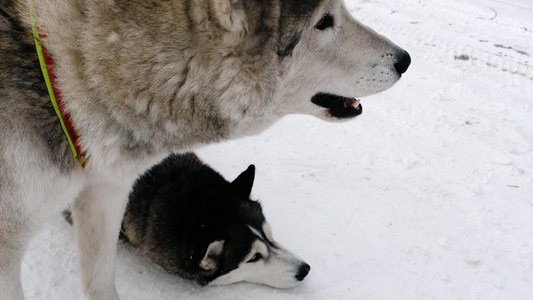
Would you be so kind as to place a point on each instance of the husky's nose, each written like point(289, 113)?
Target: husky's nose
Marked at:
point(403, 62)
point(303, 271)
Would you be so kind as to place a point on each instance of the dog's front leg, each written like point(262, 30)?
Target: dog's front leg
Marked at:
point(97, 216)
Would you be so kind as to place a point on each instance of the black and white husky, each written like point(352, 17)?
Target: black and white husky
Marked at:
point(141, 79)
point(193, 222)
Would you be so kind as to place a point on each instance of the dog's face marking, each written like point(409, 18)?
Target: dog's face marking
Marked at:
point(267, 230)
point(266, 262)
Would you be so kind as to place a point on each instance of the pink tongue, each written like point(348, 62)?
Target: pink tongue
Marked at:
point(348, 102)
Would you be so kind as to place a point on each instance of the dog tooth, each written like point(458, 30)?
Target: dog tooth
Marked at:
point(356, 103)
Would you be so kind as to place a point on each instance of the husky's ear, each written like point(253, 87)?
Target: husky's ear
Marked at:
point(227, 14)
point(244, 182)
point(208, 263)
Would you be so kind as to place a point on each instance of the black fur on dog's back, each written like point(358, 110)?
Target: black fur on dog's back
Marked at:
point(179, 207)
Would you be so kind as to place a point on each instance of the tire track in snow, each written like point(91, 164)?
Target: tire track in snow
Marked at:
point(474, 51)
point(477, 56)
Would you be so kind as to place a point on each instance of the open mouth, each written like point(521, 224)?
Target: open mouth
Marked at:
point(338, 106)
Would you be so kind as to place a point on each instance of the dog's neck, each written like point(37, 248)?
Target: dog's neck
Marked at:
point(47, 67)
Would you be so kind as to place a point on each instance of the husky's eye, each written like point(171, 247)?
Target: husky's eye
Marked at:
point(326, 22)
point(255, 258)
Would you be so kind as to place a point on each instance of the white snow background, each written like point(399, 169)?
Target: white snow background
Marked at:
point(427, 195)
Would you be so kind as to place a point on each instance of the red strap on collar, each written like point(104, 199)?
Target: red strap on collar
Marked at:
point(68, 129)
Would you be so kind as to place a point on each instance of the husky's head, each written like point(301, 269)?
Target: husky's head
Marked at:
point(332, 59)
point(327, 58)
point(264, 261)
point(232, 242)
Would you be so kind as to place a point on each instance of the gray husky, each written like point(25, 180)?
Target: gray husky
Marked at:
point(140, 79)
point(192, 222)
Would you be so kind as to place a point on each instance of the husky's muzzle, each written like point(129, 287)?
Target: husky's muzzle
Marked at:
point(345, 107)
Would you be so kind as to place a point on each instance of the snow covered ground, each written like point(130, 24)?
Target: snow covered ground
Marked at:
point(427, 195)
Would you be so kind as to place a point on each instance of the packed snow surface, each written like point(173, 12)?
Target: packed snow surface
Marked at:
point(427, 195)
